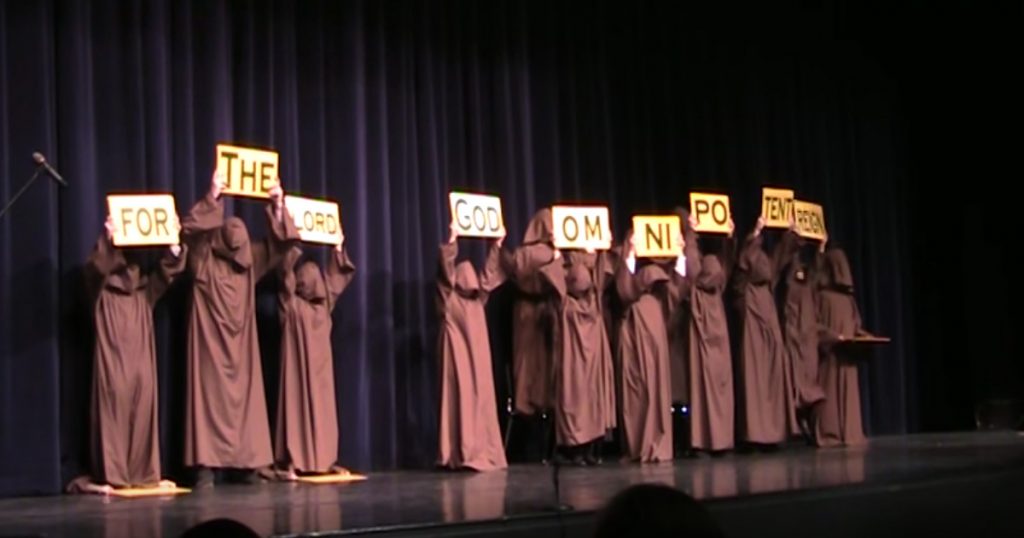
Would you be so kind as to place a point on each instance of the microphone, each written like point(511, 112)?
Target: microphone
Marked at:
point(41, 161)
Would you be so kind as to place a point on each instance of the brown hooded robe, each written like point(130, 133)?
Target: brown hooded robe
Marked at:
point(124, 439)
point(838, 418)
point(533, 318)
point(768, 412)
point(646, 384)
point(800, 321)
point(469, 436)
point(225, 408)
point(584, 375)
point(307, 417)
point(712, 401)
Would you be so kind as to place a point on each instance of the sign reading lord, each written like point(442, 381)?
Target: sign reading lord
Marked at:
point(711, 212)
point(656, 236)
point(318, 221)
point(581, 227)
point(810, 220)
point(776, 207)
point(143, 219)
point(476, 215)
point(250, 172)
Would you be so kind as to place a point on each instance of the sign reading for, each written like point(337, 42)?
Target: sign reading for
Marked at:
point(143, 219)
point(581, 227)
point(810, 220)
point(656, 236)
point(476, 215)
point(248, 171)
point(318, 221)
point(776, 207)
point(711, 212)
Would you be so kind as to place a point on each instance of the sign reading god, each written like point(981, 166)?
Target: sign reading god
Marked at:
point(776, 207)
point(476, 215)
point(656, 236)
point(810, 220)
point(711, 212)
point(318, 221)
point(581, 227)
point(143, 219)
point(248, 171)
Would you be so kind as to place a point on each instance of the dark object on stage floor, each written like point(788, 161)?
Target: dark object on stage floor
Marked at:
point(1002, 414)
point(42, 166)
point(220, 528)
point(655, 510)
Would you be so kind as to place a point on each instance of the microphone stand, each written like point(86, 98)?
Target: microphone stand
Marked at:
point(18, 194)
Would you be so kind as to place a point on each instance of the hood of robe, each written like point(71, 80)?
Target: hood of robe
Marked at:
point(539, 230)
point(650, 275)
point(309, 282)
point(578, 281)
point(712, 276)
point(837, 269)
point(232, 243)
point(466, 282)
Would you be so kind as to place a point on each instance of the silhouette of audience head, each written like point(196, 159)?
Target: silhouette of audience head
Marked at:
point(222, 528)
point(654, 511)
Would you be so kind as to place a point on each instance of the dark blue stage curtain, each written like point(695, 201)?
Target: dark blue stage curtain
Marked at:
point(385, 106)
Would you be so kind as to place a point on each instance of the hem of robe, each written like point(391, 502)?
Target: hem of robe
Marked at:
point(230, 465)
point(87, 484)
point(573, 442)
point(473, 466)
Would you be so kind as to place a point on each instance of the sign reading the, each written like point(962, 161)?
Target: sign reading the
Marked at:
point(656, 236)
point(476, 215)
point(711, 212)
point(810, 220)
point(249, 172)
point(318, 221)
point(776, 207)
point(143, 219)
point(581, 227)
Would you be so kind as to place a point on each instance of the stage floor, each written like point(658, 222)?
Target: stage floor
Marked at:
point(428, 502)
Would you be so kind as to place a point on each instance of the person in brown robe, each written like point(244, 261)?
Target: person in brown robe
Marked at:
point(645, 380)
point(225, 408)
point(306, 437)
point(767, 409)
point(123, 409)
point(712, 404)
point(838, 416)
point(468, 432)
point(800, 324)
point(533, 318)
point(584, 375)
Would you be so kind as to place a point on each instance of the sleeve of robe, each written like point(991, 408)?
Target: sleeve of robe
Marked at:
point(740, 277)
point(678, 289)
point(286, 290)
point(554, 274)
point(207, 215)
point(626, 285)
point(340, 272)
point(445, 274)
point(104, 259)
point(524, 261)
point(788, 246)
point(282, 237)
point(170, 268)
point(493, 273)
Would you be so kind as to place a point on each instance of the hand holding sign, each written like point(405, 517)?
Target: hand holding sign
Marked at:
point(759, 226)
point(111, 227)
point(217, 183)
point(500, 240)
